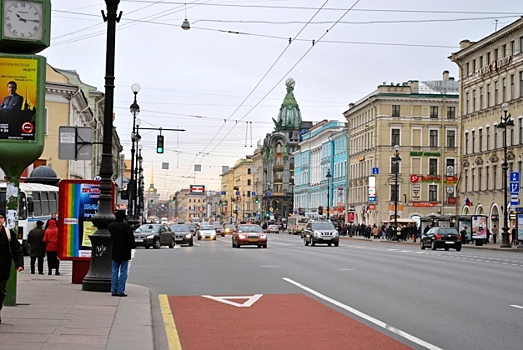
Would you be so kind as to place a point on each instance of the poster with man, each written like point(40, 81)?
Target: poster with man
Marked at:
point(18, 96)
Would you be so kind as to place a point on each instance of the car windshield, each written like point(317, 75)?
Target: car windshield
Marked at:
point(322, 226)
point(230, 226)
point(206, 227)
point(148, 228)
point(250, 228)
point(217, 224)
point(448, 230)
point(180, 228)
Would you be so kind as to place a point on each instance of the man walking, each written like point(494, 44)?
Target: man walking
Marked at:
point(494, 234)
point(10, 250)
point(122, 239)
point(36, 247)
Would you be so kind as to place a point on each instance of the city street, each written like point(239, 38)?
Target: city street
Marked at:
point(421, 298)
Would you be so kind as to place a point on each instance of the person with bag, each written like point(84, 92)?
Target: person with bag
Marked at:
point(36, 247)
point(10, 250)
point(51, 248)
point(122, 239)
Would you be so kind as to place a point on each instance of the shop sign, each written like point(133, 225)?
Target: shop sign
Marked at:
point(416, 192)
point(451, 200)
point(495, 65)
point(414, 178)
point(425, 204)
point(425, 154)
point(450, 180)
point(431, 178)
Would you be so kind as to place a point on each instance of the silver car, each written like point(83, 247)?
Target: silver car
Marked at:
point(206, 231)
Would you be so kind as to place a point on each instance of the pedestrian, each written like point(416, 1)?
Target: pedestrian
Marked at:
point(122, 239)
point(514, 236)
point(36, 247)
point(494, 234)
point(488, 236)
point(463, 234)
point(53, 217)
point(51, 248)
point(10, 251)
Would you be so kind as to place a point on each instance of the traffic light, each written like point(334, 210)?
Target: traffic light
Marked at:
point(320, 210)
point(257, 201)
point(152, 202)
point(174, 200)
point(159, 144)
point(220, 204)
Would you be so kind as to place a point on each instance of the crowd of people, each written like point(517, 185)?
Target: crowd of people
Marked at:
point(383, 231)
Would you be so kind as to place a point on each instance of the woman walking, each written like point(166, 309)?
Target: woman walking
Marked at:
point(51, 247)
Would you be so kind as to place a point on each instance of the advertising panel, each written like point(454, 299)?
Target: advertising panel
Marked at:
point(520, 227)
point(18, 94)
point(78, 205)
point(479, 227)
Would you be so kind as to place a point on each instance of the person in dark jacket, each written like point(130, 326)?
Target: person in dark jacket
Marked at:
point(53, 217)
point(51, 247)
point(10, 250)
point(122, 239)
point(36, 247)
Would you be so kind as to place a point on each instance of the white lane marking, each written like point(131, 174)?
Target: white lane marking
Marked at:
point(517, 306)
point(366, 317)
point(345, 269)
point(268, 266)
point(251, 299)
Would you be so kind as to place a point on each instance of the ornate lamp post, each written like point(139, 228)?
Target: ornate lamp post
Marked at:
point(98, 278)
point(505, 122)
point(135, 110)
point(328, 177)
point(138, 175)
point(396, 161)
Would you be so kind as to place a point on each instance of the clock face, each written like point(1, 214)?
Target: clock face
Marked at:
point(23, 20)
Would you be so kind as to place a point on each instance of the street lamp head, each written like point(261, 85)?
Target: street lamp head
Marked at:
point(504, 107)
point(186, 25)
point(396, 148)
point(140, 147)
point(135, 109)
point(135, 88)
point(138, 122)
point(328, 176)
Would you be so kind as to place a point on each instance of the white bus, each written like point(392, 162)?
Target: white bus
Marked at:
point(296, 224)
point(35, 202)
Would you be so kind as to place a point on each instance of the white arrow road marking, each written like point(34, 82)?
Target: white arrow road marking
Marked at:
point(227, 300)
point(517, 306)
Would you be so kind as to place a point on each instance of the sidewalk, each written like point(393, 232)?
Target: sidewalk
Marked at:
point(52, 313)
point(489, 246)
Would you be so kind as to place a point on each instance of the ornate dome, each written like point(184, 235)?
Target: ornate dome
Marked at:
point(43, 175)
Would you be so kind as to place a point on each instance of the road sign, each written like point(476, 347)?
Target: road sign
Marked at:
point(237, 193)
point(375, 171)
point(514, 176)
point(223, 193)
point(372, 199)
point(450, 170)
point(269, 193)
point(450, 189)
point(514, 187)
point(372, 191)
point(253, 193)
point(514, 199)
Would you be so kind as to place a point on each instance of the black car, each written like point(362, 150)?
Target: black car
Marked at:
point(154, 235)
point(182, 234)
point(441, 237)
point(319, 231)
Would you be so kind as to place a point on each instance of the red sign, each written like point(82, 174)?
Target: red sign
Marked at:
point(414, 178)
point(452, 200)
point(431, 178)
point(424, 204)
point(197, 188)
point(350, 217)
point(340, 209)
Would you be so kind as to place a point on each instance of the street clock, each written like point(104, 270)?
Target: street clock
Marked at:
point(25, 26)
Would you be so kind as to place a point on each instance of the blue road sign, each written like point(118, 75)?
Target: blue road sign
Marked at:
point(514, 176)
point(269, 193)
point(514, 187)
point(237, 193)
point(375, 171)
point(372, 199)
point(253, 193)
point(223, 193)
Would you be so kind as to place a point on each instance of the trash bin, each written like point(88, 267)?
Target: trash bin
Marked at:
point(479, 242)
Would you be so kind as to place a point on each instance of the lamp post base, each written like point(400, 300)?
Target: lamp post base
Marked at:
point(98, 279)
point(505, 242)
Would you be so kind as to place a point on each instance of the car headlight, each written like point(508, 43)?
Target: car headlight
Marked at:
point(150, 237)
point(317, 234)
point(188, 235)
point(335, 233)
point(263, 236)
point(242, 236)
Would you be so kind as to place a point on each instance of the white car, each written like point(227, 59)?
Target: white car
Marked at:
point(273, 229)
point(206, 231)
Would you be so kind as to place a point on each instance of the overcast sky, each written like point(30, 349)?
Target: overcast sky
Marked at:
point(223, 80)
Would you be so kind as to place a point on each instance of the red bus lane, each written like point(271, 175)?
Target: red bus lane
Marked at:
point(270, 321)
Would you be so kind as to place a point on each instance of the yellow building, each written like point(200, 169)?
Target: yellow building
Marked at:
point(238, 185)
point(491, 77)
point(420, 118)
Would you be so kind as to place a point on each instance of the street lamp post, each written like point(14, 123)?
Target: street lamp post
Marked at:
point(396, 161)
point(135, 110)
point(328, 176)
point(138, 176)
point(505, 122)
point(98, 278)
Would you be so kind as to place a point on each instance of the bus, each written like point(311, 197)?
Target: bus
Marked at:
point(296, 224)
point(35, 202)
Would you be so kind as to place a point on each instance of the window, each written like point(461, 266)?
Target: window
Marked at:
point(433, 166)
point(480, 171)
point(248, 181)
point(466, 143)
point(466, 180)
point(473, 141)
point(37, 204)
point(44, 199)
point(496, 138)
point(473, 66)
point(480, 98)
point(488, 95)
point(467, 101)
point(521, 83)
point(520, 131)
point(467, 69)
point(487, 178)
point(504, 52)
point(473, 179)
point(496, 54)
point(451, 138)
point(395, 166)
point(53, 202)
point(512, 47)
point(395, 110)
point(473, 101)
point(433, 138)
point(512, 84)
point(451, 112)
point(433, 193)
point(433, 111)
point(496, 87)
point(480, 61)
point(504, 91)
point(394, 192)
point(494, 176)
point(488, 138)
point(511, 137)
point(395, 137)
point(480, 146)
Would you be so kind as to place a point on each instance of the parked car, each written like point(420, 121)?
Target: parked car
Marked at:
point(229, 229)
point(206, 231)
point(441, 237)
point(219, 228)
point(154, 235)
point(319, 231)
point(182, 234)
point(249, 234)
point(273, 229)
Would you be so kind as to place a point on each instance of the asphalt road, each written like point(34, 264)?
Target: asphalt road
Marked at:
point(425, 299)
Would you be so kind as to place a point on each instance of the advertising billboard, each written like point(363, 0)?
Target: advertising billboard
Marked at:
point(18, 97)
point(479, 227)
point(78, 205)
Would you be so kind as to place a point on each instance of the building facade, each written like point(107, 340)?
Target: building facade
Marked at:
point(420, 118)
point(491, 75)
